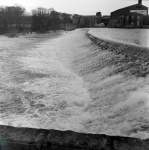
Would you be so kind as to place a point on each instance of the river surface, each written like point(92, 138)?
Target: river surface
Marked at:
point(64, 81)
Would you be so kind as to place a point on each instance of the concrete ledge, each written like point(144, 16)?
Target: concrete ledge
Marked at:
point(12, 138)
point(135, 51)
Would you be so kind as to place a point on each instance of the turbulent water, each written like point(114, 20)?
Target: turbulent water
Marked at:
point(67, 82)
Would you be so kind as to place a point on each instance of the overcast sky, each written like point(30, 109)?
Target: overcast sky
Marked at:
point(82, 7)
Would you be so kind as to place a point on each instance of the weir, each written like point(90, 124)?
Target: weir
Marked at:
point(12, 138)
point(136, 51)
point(136, 54)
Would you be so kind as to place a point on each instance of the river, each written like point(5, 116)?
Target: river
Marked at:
point(64, 81)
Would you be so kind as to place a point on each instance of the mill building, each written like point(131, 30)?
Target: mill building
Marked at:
point(131, 16)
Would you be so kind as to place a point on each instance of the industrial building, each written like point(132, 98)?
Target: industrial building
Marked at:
point(105, 20)
point(131, 16)
point(87, 21)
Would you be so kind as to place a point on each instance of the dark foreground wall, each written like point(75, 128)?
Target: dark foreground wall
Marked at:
point(12, 138)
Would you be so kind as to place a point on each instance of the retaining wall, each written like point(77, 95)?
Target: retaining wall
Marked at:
point(12, 138)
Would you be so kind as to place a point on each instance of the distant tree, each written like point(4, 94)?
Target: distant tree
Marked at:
point(40, 19)
point(14, 15)
point(66, 18)
point(10, 16)
point(55, 20)
point(3, 21)
point(19, 13)
point(49, 20)
point(45, 19)
point(26, 21)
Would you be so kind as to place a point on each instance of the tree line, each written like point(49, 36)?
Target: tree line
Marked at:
point(40, 20)
point(46, 19)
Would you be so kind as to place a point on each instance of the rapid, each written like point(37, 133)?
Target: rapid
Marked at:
point(65, 81)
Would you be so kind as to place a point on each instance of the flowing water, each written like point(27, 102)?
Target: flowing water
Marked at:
point(69, 83)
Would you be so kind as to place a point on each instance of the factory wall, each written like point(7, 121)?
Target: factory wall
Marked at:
point(132, 16)
point(86, 21)
point(130, 9)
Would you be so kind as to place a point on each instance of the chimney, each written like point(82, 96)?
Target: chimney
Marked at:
point(140, 2)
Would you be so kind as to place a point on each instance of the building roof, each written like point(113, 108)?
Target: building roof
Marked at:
point(91, 16)
point(129, 7)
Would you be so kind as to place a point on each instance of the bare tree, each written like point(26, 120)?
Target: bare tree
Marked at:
point(40, 17)
point(44, 19)
point(66, 18)
point(10, 16)
point(3, 21)
point(55, 20)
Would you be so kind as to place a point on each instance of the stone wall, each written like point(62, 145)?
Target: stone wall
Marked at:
point(12, 138)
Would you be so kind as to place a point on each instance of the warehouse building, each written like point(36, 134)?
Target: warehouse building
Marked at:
point(87, 21)
point(131, 16)
point(105, 20)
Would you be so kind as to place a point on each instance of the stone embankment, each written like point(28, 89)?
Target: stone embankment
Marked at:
point(12, 138)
